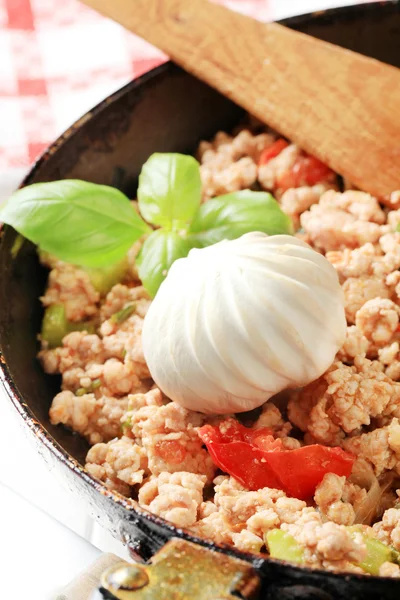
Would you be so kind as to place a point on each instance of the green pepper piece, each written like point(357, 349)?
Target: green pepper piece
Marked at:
point(104, 279)
point(123, 314)
point(88, 326)
point(54, 325)
point(283, 546)
point(127, 424)
point(377, 552)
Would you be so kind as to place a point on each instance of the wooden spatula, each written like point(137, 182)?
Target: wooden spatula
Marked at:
point(336, 104)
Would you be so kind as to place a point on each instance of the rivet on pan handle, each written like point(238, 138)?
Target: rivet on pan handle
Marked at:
point(183, 571)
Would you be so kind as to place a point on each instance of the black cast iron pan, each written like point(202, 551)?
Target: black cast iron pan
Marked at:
point(164, 110)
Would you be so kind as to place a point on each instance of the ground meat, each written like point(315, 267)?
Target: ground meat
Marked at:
point(150, 400)
point(328, 498)
point(389, 569)
point(355, 344)
point(264, 520)
point(238, 504)
point(393, 282)
point(134, 351)
point(153, 397)
point(79, 349)
point(256, 512)
point(113, 378)
point(228, 164)
point(121, 295)
point(378, 320)
point(271, 417)
point(245, 143)
point(71, 286)
point(120, 460)
point(302, 401)
point(295, 201)
point(359, 204)
point(117, 378)
point(381, 447)
point(389, 356)
point(358, 290)
point(124, 341)
point(247, 541)
point(388, 530)
point(326, 545)
point(344, 399)
point(237, 176)
point(369, 261)
point(215, 526)
point(332, 225)
point(353, 263)
point(174, 496)
point(97, 419)
point(236, 510)
point(168, 433)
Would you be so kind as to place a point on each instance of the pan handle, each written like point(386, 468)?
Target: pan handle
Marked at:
point(181, 570)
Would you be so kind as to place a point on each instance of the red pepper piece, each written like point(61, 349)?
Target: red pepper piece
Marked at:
point(257, 460)
point(301, 470)
point(307, 170)
point(272, 151)
point(244, 462)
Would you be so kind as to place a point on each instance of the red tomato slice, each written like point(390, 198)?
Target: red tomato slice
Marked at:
point(301, 470)
point(272, 151)
point(257, 460)
point(307, 170)
point(245, 463)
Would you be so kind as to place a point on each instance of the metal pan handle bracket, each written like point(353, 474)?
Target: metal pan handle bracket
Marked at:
point(183, 571)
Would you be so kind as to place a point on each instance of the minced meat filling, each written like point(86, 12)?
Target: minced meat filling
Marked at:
point(147, 447)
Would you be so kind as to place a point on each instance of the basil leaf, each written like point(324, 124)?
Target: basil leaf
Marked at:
point(232, 215)
point(159, 251)
point(79, 222)
point(169, 190)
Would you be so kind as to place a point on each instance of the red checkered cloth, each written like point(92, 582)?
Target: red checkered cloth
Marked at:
point(58, 59)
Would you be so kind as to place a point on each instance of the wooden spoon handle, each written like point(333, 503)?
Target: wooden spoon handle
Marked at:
point(336, 104)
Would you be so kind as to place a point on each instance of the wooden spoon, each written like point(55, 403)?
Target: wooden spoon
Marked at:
point(338, 105)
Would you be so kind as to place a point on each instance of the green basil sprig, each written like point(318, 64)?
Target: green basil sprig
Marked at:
point(169, 191)
point(232, 215)
point(94, 225)
point(79, 222)
point(160, 250)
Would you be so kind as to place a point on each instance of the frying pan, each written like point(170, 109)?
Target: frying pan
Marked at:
point(165, 110)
